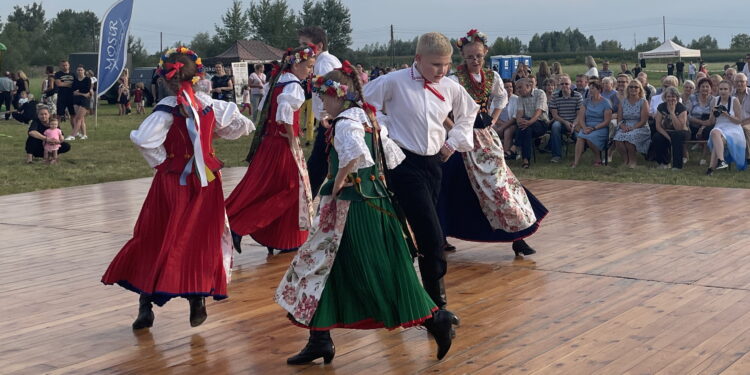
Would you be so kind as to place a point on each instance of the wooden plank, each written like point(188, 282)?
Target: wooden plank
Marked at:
point(625, 281)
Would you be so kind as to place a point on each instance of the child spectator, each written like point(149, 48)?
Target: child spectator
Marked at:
point(123, 97)
point(246, 101)
point(140, 100)
point(50, 148)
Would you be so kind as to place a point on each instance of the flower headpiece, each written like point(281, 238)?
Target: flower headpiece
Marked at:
point(472, 36)
point(301, 55)
point(324, 86)
point(168, 70)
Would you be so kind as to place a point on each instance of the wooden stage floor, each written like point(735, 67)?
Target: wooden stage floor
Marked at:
point(628, 279)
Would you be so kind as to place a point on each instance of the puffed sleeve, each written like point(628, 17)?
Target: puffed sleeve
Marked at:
point(461, 136)
point(499, 95)
point(377, 93)
point(230, 123)
point(290, 100)
point(150, 136)
point(393, 154)
point(349, 142)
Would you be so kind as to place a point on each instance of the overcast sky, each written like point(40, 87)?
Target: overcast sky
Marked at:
point(625, 21)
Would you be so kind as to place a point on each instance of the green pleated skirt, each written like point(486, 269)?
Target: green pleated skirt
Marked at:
point(372, 283)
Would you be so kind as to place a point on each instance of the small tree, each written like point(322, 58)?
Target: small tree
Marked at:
point(704, 42)
point(740, 41)
point(273, 22)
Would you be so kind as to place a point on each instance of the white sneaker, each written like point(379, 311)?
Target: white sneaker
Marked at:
point(722, 165)
point(84, 137)
point(555, 159)
point(663, 166)
point(703, 162)
point(684, 160)
point(70, 138)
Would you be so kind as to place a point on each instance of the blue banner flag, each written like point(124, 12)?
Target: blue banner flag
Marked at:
point(113, 44)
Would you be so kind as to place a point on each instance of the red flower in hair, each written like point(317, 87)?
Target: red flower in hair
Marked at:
point(347, 67)
point(472, 32)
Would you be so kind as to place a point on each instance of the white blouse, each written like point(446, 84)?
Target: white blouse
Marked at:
point(415, 114)
point(498, 95)
point(349, 141)
point(151, 134)
point(290, 99)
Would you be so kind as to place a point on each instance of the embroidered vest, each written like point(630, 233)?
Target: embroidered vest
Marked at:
point(368, 182)
point(178, 146)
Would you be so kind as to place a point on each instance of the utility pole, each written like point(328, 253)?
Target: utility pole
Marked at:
point(664, 27)
point(393, 49)
point(161, 41)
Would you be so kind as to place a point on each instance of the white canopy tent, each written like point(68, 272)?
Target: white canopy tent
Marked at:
point(669, 49)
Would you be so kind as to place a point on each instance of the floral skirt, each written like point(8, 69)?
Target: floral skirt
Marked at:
point(481, 199)
point(372, 283)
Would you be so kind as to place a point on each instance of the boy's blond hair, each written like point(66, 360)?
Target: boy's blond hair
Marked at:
point(434, 43)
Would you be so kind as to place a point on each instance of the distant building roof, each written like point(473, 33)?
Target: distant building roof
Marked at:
point(253, 51)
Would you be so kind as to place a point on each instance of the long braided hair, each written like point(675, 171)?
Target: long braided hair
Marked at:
point(347, 75)
point(289, 58)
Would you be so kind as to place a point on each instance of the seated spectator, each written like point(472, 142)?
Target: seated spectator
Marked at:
point(624, 69)
point(700, 75)
point(742, 92)
point(593, 124)
point(633, 134)
point(609, 92)
point(621, 85)
point(667, 81)
point(671, 131)
point(746, 67)
point(27, 110)
point(522, 71)
point(699, 113)
point(531, 117)
point(582, 85)
point(647, 87)
point(543, 73)
point(557, 71)
point(549, 86)
point(715, 80)
point(729, 74)
point(591, 64)
point(691, 72)
point(688, 89)
point(605, 72)
point(727, 139)
point(563, 107)
point(36, 138)
point(506, 123)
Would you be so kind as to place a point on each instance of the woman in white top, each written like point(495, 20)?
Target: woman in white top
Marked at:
point(727, 139)
point(256, 81)
point(591, 64)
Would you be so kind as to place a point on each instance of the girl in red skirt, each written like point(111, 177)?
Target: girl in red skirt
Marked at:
point(181, 246)
point(273, 202)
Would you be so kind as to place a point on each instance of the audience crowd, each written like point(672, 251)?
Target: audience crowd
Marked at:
point(613, 114)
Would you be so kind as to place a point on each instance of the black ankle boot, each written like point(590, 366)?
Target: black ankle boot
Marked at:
point(319, 345)
point(522, 248)
point(145, 317)
point(237, 242)
point(198, 312)
point(440, 326)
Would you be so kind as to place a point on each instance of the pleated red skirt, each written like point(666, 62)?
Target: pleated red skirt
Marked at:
point(265, 204)
point(176, 246)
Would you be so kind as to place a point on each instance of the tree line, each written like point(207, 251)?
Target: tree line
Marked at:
point(33, 40)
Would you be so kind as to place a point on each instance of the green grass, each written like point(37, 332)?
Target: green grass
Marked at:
point(108, 155)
